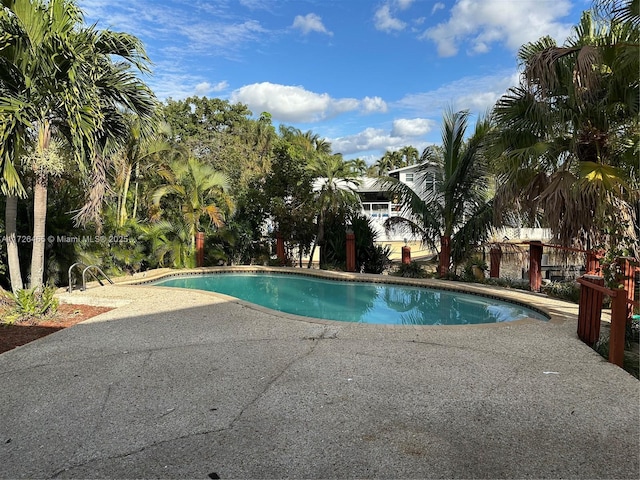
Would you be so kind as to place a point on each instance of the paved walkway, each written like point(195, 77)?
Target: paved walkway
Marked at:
point(186, 384)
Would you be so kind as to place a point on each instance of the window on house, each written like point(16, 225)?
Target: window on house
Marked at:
point(408, 177)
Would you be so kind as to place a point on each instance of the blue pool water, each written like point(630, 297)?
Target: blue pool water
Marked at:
point(356, 301)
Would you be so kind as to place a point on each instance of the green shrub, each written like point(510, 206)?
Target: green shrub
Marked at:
point(471, 267)
point(411, 270)
point(377, 259)
point(569, 291)
point(32, 304)
point(277, 262)
point(630, 361)
point(370, 258)
point(509, 283)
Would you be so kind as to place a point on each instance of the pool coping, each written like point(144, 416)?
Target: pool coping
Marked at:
point(558, 311)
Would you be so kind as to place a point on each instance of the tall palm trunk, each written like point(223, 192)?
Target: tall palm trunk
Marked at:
point(39, 222)
point(319, 241)
point(135, 192)
point(40, 211)
point(122, 214)
point(11, 214)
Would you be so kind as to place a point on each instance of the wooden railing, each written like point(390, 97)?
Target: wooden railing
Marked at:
point(592, 291)
point(589, 313)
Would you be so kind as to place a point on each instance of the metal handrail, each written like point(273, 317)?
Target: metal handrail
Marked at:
point(70, 270)
point(84, 275)
point(84, 280)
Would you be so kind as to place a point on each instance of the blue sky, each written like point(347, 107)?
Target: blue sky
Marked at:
point(368, 76)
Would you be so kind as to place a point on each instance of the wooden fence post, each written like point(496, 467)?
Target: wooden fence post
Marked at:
point(590, 310)
point(628, 281)
point(406, 255)
point(618, 327)
point(280, 248)
point(593, 263)
point(535, 265)
point(495, 255)
point(351, 252)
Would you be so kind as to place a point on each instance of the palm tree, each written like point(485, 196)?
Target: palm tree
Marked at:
point(568, 136)
point(358, 165)
point(193, 191)
point(623, 11)
point(337, 183)
point(59, 81)
point(410, 156)
point(383, 165)
point(455, 208)
point(130, 160)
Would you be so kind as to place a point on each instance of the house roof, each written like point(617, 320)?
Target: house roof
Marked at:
point(411, 168)
point(365, 184)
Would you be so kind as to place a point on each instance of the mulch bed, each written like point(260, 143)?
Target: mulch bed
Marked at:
point(12, 336)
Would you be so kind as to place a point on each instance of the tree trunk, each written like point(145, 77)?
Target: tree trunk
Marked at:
point(318, 241)
point(445, 255)
point(11, 214)
point(39, 223)
point(122, 214)
point(135, 192)
point(313, 251)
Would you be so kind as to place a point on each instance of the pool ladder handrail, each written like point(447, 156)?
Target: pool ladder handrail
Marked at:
point(84, 275)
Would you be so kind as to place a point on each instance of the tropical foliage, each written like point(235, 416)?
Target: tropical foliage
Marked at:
point(569, 136)
point(91, 162)
point(452, 206)
point(191, 192)
point(60, 85)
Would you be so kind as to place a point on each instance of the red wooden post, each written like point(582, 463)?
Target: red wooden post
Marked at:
point(280, 247)
point(590, 310)
point(628, 270)
point(200, 249)
point(618, 327)
point(406, 255)
point(593, 263)
point(535, 265)
point(445, 255)
point(495, 255)
point(351, 252)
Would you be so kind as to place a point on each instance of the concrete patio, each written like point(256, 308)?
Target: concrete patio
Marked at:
point(188, 384)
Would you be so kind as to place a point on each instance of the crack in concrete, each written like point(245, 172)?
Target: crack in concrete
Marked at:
point(230, 425)
point(131, 352)
point(270, 383)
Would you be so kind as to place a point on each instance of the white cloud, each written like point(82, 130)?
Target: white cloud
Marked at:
point(218, 38)
point(385, 19)
point(437, 6)
point(177, 86)
point(480, 23)
point(404, 4)
point(203, 88)
point(375, 104)
point(367, 140)
point(201, 28)
point(220, 86)
point(385, 22)
point(412, 127)
point(292, 103)
point(477, 94)
point(376, 140)
point(310, 23)
point(257, 4)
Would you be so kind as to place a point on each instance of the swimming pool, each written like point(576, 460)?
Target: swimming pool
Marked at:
point(361, 302)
